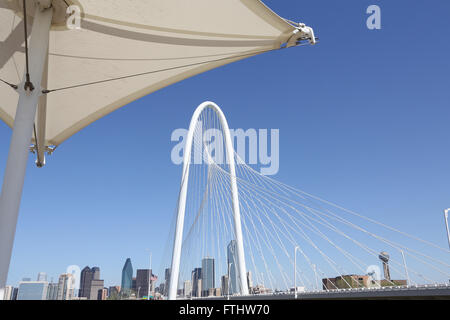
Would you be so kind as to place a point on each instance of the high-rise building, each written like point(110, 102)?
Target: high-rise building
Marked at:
point(97, 286)
point(167, 273)
point(249, 280)
point(32, 290)
point(232, 266)
point(199, 288)
point(187, 288)
point(208, 275)
point(65, 287)
point(90, 283)
point(224, 285)
point(127, 276)
point(52, 292)
point(143, 282)
point(86, 277)
point(42, 276)
point(8, 293)
point(95, 273)
point(196, 282)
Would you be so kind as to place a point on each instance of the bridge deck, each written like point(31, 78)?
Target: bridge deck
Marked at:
point(440, 292)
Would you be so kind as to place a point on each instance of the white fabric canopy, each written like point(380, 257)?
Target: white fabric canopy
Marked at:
point(119, 38)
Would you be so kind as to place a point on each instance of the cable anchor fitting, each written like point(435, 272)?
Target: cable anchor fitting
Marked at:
point(301, 33)
point(28, 84)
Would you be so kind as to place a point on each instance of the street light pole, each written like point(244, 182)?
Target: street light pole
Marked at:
point(295, 271)
point(150, 278)
point(446, 211)
point(406, 268)
point(262, 279)
point(315, 276)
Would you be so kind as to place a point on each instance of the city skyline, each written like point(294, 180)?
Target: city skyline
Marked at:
point(202, 283)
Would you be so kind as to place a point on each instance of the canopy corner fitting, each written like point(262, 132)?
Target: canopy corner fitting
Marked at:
point(301, 33)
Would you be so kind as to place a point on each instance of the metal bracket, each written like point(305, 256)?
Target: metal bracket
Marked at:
point(48, 150)
point(301, 33)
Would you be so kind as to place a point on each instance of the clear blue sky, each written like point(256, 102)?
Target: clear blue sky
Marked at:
point(364, 121)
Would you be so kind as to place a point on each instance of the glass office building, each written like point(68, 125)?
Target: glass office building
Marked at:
point(32, 290)
point(232, 267)
point(208, 275)
point(127, 276)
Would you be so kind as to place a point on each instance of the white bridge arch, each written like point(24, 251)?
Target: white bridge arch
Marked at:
point(176, 254)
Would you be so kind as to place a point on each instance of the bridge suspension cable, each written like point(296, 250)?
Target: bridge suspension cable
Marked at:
point(337, 247)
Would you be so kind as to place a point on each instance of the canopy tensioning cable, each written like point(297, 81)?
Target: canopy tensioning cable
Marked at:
point(28, 84)
point(156, 71)
point(14, 86)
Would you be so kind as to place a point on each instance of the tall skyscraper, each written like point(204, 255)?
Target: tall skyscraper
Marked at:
point(208, 275)
point(90, 283)
point(196, 282)
point(32, 290)
point(86, 277)
point(232, 266)
point(95, 273)
point(143, 282)
point(167, 281)
point(127, 276)
point(65, 287)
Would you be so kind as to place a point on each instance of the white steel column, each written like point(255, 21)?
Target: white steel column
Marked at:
point(21, 138)
point(176, 254)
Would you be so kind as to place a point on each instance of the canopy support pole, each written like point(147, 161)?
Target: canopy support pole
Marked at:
point(20, 141)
